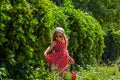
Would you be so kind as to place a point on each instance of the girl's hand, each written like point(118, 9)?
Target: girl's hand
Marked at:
point(71, 60)
point(45, 54)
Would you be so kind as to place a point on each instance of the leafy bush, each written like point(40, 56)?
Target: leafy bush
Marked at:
point(86, 36)
point(112, 49)
point(25, 29)
point(26, 26)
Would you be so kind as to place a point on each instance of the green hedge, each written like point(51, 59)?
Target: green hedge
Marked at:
point(86, 36)
point(112, 46)
point(25, 29)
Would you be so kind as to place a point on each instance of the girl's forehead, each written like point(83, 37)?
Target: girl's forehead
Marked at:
point(58, 32)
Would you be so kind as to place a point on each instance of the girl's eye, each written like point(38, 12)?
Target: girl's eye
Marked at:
point(58, 36)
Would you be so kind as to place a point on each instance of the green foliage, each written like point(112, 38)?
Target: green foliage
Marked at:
point(3, 73)
point(118, 63)
point(116, 36)
point(67, 76)
point(17, 32)
point(107, 13)
point(90, 73)
point(25, 29)
point(25, 32)
point(99, 73)
point(86, 36)
point(112, 49)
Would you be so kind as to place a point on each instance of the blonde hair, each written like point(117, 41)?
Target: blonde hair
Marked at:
point(60, 29)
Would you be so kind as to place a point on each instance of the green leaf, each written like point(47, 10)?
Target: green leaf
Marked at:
point(34, 22)
point(32, 37)
point(20, 30)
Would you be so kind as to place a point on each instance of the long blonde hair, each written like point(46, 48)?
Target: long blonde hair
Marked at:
point(60, 29)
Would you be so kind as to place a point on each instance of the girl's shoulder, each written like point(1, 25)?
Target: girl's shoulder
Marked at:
point(53, 43)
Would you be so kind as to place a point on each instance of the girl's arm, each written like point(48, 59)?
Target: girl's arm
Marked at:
point(49, 48)
point(70, 58)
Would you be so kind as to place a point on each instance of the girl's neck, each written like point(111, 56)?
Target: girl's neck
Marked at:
point(60, 40)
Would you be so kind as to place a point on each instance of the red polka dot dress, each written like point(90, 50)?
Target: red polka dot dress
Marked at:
point(60, 57)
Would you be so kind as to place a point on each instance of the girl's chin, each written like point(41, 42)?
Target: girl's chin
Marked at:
point(59, 39)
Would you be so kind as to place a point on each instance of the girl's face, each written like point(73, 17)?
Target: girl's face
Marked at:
point(59, 36)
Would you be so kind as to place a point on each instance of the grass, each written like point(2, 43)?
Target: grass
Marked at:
point(99, 73)
point(92, 73)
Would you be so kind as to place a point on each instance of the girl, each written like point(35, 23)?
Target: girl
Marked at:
point(60, 57)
